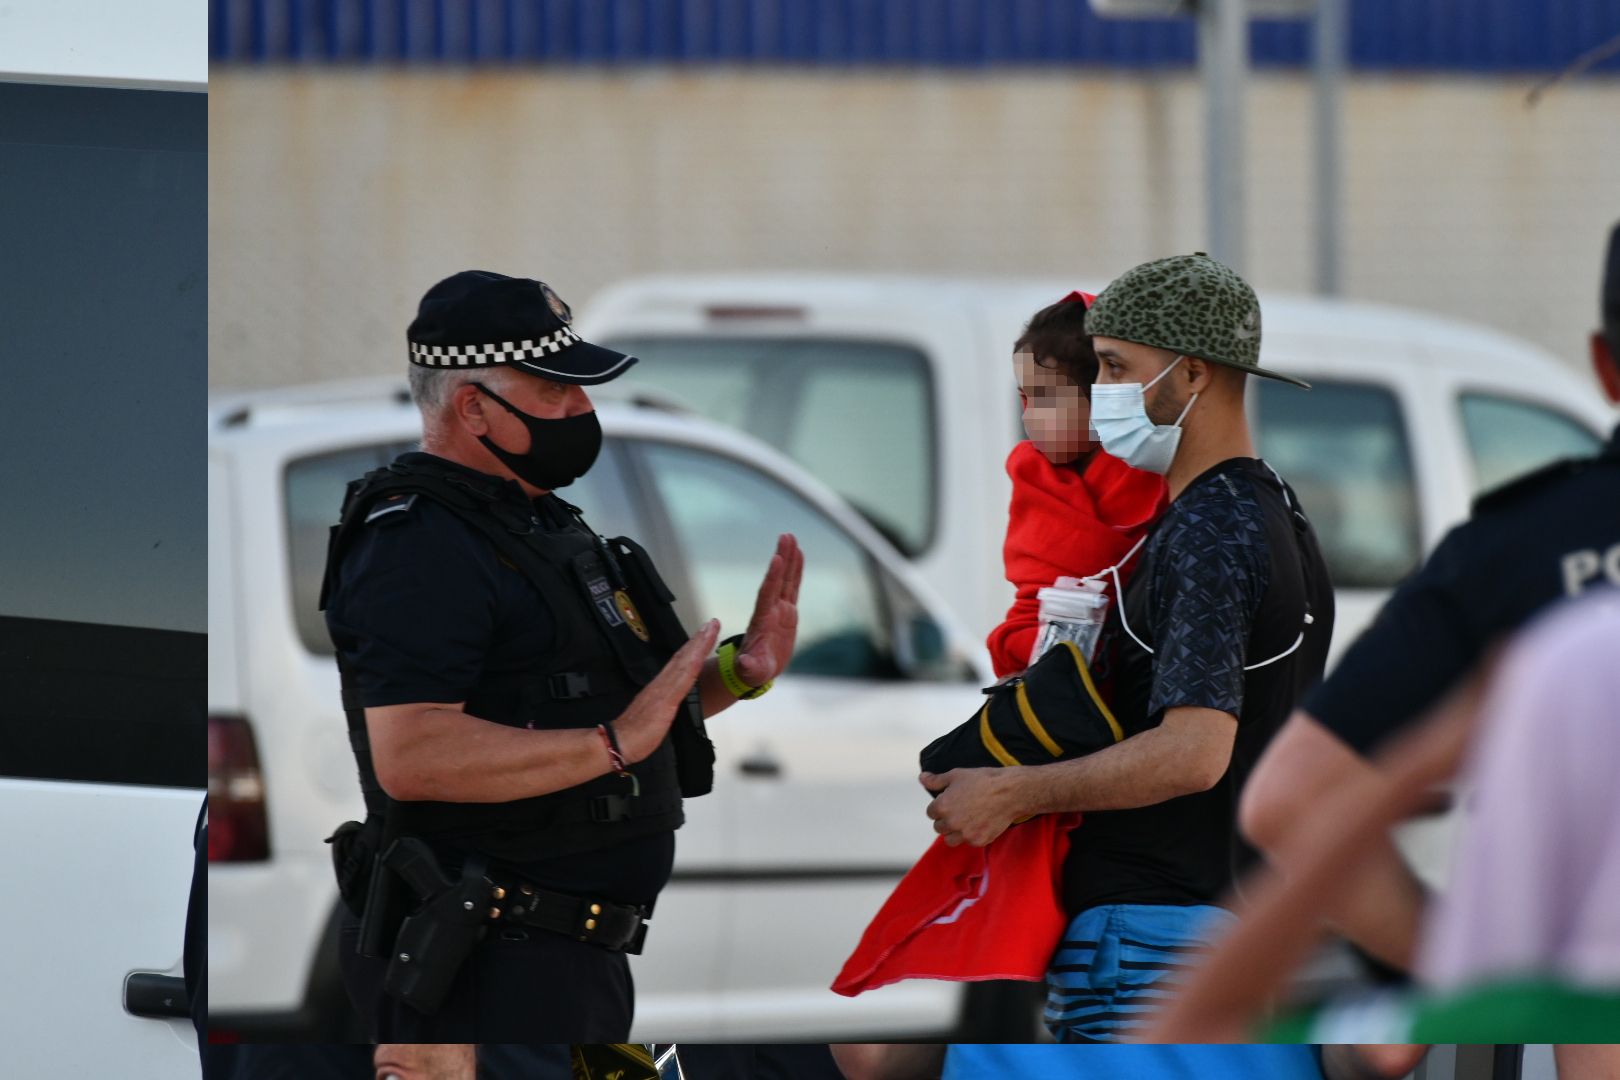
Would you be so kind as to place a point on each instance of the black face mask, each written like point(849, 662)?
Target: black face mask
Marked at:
point(560, 451)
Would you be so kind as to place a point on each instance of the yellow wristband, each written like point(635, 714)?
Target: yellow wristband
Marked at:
point(728, 671)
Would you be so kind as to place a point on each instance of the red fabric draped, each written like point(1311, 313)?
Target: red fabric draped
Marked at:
point(968, 913)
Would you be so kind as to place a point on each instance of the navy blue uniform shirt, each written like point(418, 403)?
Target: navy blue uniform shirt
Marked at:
point(1538, 539)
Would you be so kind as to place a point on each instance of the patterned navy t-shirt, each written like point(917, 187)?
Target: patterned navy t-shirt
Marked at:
point(1226, 580)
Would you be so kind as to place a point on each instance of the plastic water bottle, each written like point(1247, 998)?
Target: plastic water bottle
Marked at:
point(1072, 609)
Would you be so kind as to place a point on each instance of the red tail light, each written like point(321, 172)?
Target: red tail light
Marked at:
point(237, 828)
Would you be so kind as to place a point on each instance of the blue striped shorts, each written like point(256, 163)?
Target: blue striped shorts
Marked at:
point(1117, 962)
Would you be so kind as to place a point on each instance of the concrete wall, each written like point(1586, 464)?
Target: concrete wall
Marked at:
point(337, 197)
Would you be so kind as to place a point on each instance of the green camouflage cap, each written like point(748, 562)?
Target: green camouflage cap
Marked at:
point(1189, 304)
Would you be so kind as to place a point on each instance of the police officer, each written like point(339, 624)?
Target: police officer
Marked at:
point(1538, 539)
point(525, 710)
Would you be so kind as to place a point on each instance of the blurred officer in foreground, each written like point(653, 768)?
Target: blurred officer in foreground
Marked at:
point(1522, 945)
point(1543, 537)
point(1222, 627)
point(524, 707)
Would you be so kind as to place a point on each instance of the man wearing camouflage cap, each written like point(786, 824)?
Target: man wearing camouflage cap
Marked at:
point(1226, 622)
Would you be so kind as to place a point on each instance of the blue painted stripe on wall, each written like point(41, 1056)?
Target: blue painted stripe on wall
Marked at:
point(1442, 35)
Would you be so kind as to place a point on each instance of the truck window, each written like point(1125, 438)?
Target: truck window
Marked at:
point(1508, 437)
point(103, 549)
point(858, 415)
point(1342, 447)
point(726, 517)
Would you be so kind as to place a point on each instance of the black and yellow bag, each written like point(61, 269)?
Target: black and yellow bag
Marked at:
point(612, 1061)
point(1050, 712)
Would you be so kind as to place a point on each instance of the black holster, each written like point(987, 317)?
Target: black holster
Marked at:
point(354, 854)
point(436, 938)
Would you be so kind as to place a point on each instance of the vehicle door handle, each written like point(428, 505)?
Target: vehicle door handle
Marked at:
point(760, 764)
point(149, 994)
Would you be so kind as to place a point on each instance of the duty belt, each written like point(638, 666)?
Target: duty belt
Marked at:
point(614, 927)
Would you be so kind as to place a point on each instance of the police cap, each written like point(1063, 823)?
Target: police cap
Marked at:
point(477, 318)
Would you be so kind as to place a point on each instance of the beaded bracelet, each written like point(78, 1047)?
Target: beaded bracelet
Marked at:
point(615, 755)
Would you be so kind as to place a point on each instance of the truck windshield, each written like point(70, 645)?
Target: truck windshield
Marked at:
point(859, 415)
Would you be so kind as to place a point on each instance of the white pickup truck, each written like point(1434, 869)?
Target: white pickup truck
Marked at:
point(103, 258)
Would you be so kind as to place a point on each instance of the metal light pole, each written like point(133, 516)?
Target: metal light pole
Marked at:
point(1328, 34)
point(1223, 60)
point(1223, 63)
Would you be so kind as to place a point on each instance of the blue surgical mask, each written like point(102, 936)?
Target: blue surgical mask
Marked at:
point(1119, 416)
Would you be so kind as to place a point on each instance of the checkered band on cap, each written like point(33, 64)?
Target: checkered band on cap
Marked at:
point(504, 352)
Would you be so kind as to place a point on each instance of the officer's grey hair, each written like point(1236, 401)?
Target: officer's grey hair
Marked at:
point(432, 388)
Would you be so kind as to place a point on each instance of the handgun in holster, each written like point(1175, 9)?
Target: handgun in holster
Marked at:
point(434, 940)
point(694, 753)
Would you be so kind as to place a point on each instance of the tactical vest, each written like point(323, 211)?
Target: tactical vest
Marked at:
point(603, 655)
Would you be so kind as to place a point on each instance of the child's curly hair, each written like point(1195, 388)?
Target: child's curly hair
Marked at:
point(1057, 337)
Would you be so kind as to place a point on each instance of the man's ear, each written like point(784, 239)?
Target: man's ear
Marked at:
point(468, 403)
point(1606, 366)
point(1200, 374)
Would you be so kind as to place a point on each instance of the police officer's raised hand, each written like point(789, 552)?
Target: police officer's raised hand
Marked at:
point(767, 645)
point(643, 725)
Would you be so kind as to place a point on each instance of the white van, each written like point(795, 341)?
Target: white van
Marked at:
point(815, 814)
point(898, 393)
point(103, 185)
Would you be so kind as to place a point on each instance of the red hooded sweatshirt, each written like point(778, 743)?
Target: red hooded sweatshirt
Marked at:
point(1064, 522)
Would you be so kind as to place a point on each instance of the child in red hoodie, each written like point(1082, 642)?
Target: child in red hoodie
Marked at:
point(994, 913)
point(1075, 511)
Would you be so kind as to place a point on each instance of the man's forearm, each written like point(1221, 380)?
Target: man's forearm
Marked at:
point(1145, 769)
point(435, 751)
point(1282, 916)
point(1381, 909)
point(446, 755)
point(712, 689)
